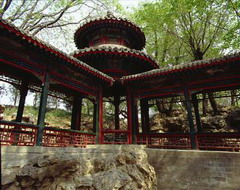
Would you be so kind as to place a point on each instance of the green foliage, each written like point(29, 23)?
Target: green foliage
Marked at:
point(30, 110)
point(87, 107)
point(58, 113)
point(9, 112)
point(178, 31)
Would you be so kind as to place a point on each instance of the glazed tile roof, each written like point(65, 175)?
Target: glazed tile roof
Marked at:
point(119, 50)
point(158, 73)
point(114, 20)
point(51, 49)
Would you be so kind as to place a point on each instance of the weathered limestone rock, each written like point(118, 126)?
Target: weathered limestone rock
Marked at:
point(127, 170)
point(233, 119)
point(176, 122)
point(228, 120)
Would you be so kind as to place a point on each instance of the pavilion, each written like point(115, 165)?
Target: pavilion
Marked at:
point(110, 63)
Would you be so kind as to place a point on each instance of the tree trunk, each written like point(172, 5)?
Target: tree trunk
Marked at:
point(233, 93)
point(198, 55)
point(164, 107)
point(16, 94)
point(35, 100)
point(160, 105)
point(204, 105)
point(213, 103)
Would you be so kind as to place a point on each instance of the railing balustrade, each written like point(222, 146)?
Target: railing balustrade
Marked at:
point(62, 138)
point(161, 140)
point(218, 141)
point(21, 134)
point(13, 133)
point(115, 137)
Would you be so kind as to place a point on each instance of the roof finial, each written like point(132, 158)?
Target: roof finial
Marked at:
point(110, 13)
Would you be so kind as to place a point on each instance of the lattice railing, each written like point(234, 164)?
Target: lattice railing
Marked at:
point(171, 141)
point(115, 137)
point(13, 133)
point(62, 138)
point(218, 141)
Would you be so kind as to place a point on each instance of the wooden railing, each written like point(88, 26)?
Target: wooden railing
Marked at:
point(168, 141)
point(115, 137)
point(20, 134)
point(203, 141)
point(62, 138)
point(218, 141)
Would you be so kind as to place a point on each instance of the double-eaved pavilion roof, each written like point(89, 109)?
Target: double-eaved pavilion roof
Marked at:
point(54, 51)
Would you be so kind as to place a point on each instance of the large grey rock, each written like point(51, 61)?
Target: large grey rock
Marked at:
point(126, 170)
point(176, 122)
point(233, 119)
point(228, 120)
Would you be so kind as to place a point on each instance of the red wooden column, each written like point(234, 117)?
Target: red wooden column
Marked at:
point(42, 108)
point(190, 116)
point(196, 111)
point(95, 116)
point(99, 118)
point(136, 116)
point(145, 115)
point(23, 95)
point(130, 116)
point(135, 127)
point(76, 113)
point(116, 105)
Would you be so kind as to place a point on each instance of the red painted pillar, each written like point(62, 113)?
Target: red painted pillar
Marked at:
point(190, 116)
point(43, 107)
point(23, 95)
point(100, 118)
point(136, 117)
point(76, 113)
point(95, 116)
point(129, 115)
point(116, 105)
point(145, 115)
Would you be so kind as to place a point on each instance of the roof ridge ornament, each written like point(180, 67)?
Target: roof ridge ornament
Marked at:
point(110, 14)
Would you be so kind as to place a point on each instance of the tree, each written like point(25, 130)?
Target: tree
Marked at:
point(2, 89)
point(56, 19)
point(186, 30)
point(14, 94)
point(34, 16)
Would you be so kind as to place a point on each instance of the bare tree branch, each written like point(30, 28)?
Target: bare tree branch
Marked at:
point(5, 7)
point(29, 15)
point(235, 8)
